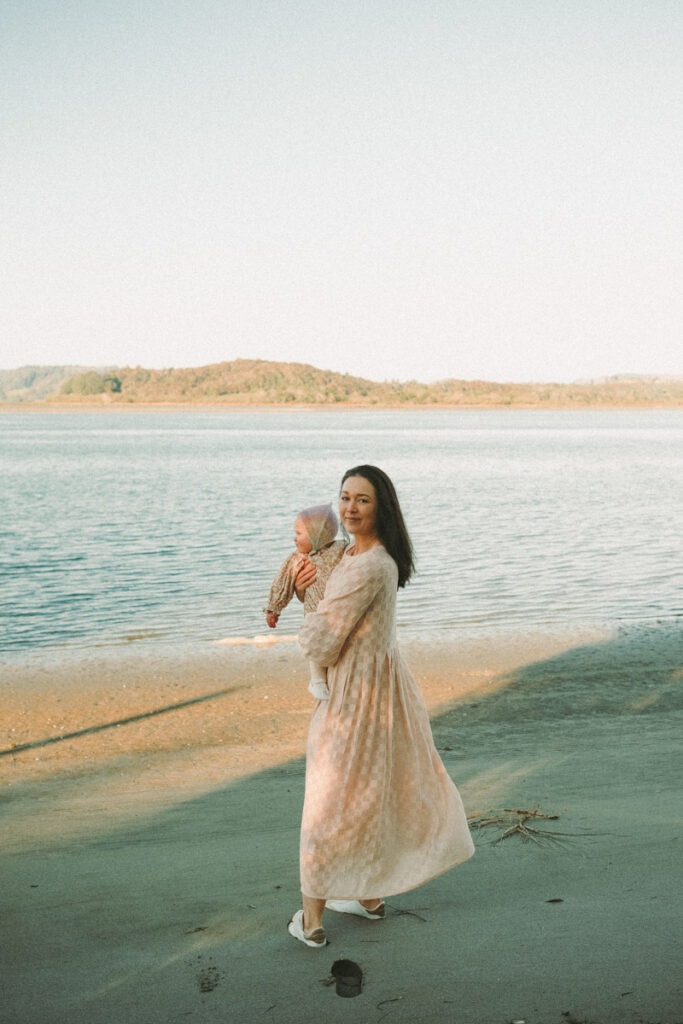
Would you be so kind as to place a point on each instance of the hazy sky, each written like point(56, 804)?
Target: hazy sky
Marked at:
point(393, 188)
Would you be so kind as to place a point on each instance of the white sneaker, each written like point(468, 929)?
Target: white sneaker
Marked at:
point(357, 908)
point(319, 689)
point(317, 938)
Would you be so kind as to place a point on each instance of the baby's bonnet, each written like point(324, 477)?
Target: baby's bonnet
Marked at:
point(321, 525)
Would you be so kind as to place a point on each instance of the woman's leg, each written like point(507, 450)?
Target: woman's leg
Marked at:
point(370, 904)
point(313, 913)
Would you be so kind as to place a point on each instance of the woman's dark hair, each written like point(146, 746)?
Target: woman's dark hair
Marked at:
point(389, 523)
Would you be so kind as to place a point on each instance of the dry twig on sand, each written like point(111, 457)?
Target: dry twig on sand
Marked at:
point(515, 821)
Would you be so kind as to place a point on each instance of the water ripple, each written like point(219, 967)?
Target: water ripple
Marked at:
point(152, 525)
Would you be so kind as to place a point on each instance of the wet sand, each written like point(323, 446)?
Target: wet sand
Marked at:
point(150, 808)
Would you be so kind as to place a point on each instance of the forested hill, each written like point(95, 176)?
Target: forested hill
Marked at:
point(33, 383)
point(259, 382)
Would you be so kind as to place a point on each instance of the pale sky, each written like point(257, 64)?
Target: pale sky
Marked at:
point(391, 188)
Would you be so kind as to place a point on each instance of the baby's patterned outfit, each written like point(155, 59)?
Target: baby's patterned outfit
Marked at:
point(321, 525)
point(282, 589)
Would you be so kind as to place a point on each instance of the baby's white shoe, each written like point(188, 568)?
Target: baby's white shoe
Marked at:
point(319, 689)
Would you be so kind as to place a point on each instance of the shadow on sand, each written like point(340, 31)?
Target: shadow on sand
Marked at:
point(181, 915)
point(90, 730)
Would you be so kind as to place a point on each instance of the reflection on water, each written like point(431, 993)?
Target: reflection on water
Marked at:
point(121, 527)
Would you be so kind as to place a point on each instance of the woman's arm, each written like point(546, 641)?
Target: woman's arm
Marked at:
point(325, 631)
point(304, 578)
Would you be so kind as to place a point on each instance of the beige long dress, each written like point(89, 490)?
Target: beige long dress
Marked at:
point(381, 815)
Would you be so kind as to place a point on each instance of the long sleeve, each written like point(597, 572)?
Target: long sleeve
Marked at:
point(282, 589)
point(351, 589)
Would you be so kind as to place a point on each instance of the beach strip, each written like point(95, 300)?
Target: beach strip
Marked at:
point(150, 811)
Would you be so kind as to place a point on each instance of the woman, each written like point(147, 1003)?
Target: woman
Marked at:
point(381, 814)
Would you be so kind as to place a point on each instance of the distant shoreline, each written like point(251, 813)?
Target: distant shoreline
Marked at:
point(263, 384)
point(60, 407)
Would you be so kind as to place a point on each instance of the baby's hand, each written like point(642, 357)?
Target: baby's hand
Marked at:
point(271, 619)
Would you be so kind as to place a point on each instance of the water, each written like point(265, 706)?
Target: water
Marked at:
point(167, 527)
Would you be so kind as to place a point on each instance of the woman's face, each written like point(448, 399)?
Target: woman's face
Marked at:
point(301, 539)
point(358, 506)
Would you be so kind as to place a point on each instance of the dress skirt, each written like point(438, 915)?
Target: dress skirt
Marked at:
point(381, 814)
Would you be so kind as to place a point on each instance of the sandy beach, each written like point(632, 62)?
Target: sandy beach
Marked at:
point(150, 810)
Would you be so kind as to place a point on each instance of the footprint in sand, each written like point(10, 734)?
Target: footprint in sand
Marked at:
point(208, 978)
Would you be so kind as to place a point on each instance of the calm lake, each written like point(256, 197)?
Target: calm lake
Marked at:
point(168, 527)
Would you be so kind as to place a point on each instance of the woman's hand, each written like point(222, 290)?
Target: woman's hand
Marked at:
point(305, 576)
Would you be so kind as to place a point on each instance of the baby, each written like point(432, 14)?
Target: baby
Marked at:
point(314, 531)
